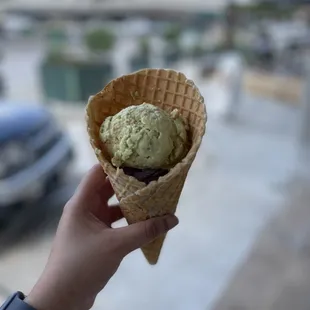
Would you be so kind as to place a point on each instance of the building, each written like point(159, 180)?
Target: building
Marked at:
point(285, 2)
point(78, 8)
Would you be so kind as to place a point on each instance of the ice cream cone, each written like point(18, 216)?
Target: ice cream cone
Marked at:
point(168, 90)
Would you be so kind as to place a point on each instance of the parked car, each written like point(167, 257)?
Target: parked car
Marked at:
point(2, 86)
point(34, 152)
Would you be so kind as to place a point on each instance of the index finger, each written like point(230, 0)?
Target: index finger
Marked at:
point(94, 183)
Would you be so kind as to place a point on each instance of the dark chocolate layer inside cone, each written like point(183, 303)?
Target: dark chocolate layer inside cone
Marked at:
point(145, 175)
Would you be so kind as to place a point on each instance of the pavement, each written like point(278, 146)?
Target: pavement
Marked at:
point(234, 188)
point(276, 273)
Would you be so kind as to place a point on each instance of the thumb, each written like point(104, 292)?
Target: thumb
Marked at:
point(136, 235)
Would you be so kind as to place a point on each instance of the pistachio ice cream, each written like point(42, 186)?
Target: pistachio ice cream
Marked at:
point(144, 137)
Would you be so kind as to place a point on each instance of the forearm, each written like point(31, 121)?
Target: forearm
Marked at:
point(48, 294)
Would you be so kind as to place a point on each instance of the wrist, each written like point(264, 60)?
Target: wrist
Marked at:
point(48, 295)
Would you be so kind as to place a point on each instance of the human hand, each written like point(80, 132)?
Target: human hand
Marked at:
point(86, 250)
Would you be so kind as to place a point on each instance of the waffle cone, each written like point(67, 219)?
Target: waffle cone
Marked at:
point(168, 90)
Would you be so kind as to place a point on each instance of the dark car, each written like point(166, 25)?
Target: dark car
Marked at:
point(33, 153)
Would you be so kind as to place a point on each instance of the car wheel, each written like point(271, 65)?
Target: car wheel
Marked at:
point(6, 215)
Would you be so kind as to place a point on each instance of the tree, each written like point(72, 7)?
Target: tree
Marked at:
point(100, 40)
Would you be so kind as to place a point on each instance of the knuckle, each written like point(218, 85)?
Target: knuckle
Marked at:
point(71, 207)
point(67, 209)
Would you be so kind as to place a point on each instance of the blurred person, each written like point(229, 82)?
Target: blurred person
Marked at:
point(87, 251)
point(265, 50)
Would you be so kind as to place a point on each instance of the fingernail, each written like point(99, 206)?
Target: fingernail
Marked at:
point(171, 221)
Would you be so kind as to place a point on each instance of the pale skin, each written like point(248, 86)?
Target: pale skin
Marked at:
point(86, 251)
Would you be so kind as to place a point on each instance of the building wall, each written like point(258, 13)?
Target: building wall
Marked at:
point(186, 4)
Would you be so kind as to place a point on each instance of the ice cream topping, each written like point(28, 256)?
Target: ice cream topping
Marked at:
point(144, 137)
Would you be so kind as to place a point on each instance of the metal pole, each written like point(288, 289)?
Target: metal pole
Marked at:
point(305, 130)
point(305, 121)
point(230, 23)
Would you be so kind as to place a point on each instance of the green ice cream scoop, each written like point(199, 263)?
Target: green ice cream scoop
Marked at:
point(144, 136)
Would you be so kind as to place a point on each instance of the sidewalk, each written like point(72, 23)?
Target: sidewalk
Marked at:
point(276, 275)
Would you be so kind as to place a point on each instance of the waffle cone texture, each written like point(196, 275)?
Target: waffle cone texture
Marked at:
point(166, 89)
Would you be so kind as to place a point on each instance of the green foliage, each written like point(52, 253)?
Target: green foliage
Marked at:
point(56, 34)
point(197, 51)
point(56, 56)
point(144, 46)
point(265, 9)
point(99, 40)
point(172, 33)
point(28, 32)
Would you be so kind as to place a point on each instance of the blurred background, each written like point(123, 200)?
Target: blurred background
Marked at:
point(243, 242)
